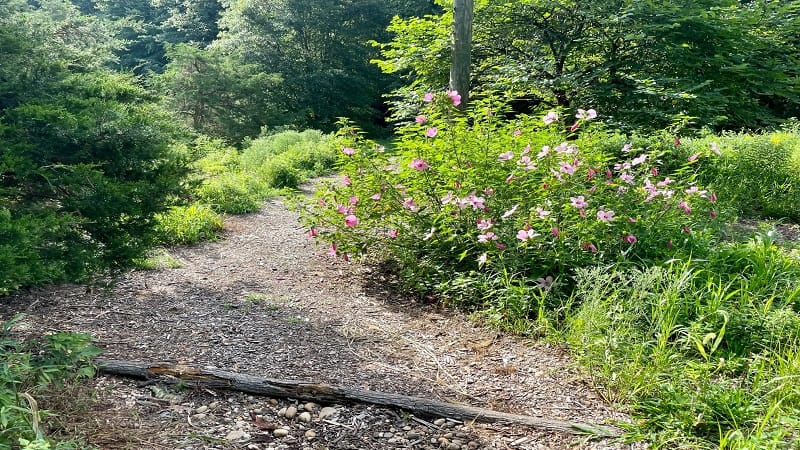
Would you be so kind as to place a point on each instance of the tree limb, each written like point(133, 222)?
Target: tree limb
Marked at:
point(324, 393)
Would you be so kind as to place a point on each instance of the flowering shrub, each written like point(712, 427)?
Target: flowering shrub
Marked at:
point(529, 197)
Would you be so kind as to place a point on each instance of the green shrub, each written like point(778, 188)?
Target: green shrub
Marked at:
point(471, 193)
point(205, 146)
point(258, 151)
point(94, 152)
point(235, 183)
point(188, 225)
point(279, 172)
point(309, 153)
point(29, 250)
point(313, 159)
point(27, 371)
point(233, 193)
point(218, 161)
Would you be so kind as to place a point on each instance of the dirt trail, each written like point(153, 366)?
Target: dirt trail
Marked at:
point(265, 301)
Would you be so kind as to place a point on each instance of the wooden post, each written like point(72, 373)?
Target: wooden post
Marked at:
point(462, 46)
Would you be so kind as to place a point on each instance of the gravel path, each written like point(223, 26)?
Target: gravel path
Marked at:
point(265, 301)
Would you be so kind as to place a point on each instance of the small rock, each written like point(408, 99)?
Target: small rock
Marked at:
point(473, 444)
point(237, 435)
point(413, 435)
point(388, 435)
point(520, 441)
point(454, 446)
point(273, 401)
point(311, 434)
point(280, 432)
point(199, 416)
point(326, 412)
point(439, 422)
point(406, 428)
point(212, 405)
point(290, 412)
point(310, 406)
point(305, 416)
point(201, 409)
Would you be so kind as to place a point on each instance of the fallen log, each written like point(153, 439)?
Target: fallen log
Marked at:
point(210, 378)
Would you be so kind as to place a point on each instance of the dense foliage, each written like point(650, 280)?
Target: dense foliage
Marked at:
point(86, 161)
point(616, 244)
point(148, 27)
point(125, 124)
point(193, 87)
point(225, 180)
point(652, 64)
point(284, 62)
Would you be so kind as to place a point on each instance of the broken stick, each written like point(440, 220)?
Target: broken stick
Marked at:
point(323, 393)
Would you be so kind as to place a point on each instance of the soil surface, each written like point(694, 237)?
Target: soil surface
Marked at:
point(265, 301)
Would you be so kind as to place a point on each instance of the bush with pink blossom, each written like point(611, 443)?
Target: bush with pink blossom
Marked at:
point(529, 197)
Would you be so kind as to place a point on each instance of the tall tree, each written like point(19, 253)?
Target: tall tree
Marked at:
point(720, 63)
point(219, 95)
point(148, 25)
point(189, 21)
point(320, 49)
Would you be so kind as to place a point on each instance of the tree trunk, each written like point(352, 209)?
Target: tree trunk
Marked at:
point(462, 46)
point(324, 393)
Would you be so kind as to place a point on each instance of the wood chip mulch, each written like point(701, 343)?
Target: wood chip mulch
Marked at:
point(264, 300)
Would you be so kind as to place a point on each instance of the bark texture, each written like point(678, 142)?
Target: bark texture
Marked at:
point(324, 393)
point(462, 49)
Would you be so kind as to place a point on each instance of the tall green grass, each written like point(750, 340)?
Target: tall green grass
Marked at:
point(704, 353)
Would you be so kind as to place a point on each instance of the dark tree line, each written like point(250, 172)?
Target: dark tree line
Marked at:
point(726, 64)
